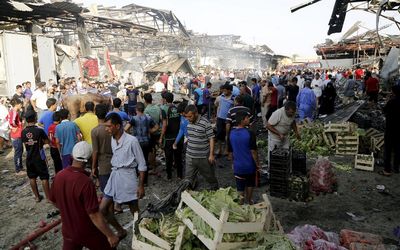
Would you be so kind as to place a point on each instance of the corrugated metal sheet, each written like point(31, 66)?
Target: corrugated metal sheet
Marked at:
point(171, 66)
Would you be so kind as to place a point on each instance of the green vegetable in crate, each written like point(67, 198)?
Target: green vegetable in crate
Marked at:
point(273, 242)
point(150, 224)
point(215, 202)
point(169, 226)
point(312, 141)
point(166, 228)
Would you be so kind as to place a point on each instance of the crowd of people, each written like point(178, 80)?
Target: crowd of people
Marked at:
point(119, 142)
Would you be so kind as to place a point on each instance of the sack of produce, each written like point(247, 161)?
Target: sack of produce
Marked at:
point(363, 246)
point(310, 237)
point(322, 245)
point(348, 236)
point(300, 234)
point(322, 177)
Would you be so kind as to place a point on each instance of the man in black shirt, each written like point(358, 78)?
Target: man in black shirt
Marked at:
point(171, 120)
point(34, 138)
point(292, 90)
point(19, 94)
point(392, 133)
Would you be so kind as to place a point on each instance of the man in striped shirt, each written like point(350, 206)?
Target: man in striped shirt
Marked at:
point(200, 148)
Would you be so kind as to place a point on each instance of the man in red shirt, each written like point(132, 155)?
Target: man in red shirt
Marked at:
point(54, 152)
point(359, 73)
point(74, 194)
point(372, 87)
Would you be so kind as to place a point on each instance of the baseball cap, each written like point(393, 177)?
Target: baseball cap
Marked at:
point(82, 151)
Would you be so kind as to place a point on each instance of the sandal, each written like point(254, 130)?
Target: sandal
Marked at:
point(384, 173)
point(39, 199)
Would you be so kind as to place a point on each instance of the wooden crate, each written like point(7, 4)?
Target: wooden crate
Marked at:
point(345, 127)
point(377, 142)
point(371, 132)
point(330, 139)
point(158, 243)
point(221, 225)
point(347, 145)
point(364, 162)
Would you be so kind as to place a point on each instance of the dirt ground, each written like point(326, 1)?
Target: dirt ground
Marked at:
point(357, 193)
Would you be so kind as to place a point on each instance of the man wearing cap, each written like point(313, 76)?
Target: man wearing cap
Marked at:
point(123, 186)
point(74, 194)
point(39, 98)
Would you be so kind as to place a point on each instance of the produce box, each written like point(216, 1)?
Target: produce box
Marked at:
point(364, 162)
point(156, 242)
point(347, 145)
point(221, 226)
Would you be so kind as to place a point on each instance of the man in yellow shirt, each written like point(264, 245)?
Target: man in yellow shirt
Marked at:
point(87, 122)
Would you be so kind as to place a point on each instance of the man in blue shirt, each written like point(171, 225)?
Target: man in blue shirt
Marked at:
point(46, 119)
point(67, 135)
point(198, 97)
point(117, 105)
point(243, 145)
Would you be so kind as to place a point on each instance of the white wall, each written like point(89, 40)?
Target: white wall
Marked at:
point(47, 60)
point(19, 67)
point(3, 83)
point(343, 63)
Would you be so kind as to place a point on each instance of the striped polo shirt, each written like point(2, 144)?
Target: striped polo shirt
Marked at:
point(199, 135)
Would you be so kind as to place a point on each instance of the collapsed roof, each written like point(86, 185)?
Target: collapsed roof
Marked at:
point(341, 8)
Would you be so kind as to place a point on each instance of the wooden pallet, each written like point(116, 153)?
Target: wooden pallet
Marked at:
point(157, 242)
point(347, 145)
point(364, 162)
point(221, 226)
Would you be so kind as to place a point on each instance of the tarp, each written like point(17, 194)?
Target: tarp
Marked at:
point(391, 64)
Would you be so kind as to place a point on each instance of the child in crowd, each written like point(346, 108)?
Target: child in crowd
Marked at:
point(242, 144)
point(34, 138)
point(55, 154)
point(15, 124)
point(67, 135)
point(46, 119)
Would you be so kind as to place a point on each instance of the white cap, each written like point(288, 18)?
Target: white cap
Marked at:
point(82, 151)
point(231, 75)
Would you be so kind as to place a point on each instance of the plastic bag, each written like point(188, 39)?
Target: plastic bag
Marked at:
point(322, 178)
